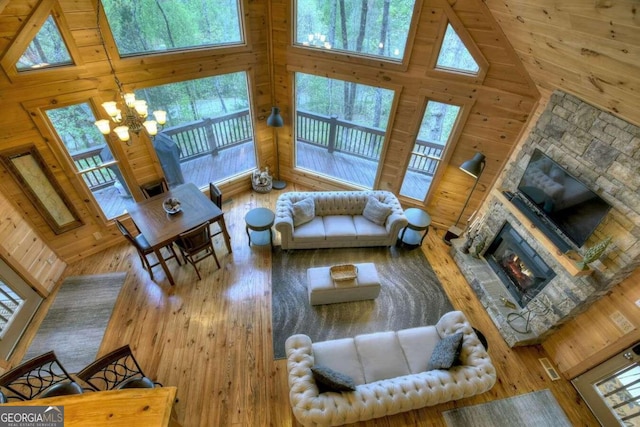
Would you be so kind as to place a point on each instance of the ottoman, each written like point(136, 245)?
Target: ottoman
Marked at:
point(323, 290)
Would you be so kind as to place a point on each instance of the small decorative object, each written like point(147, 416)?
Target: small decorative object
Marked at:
point(261, 181)
point(467, 245)
point(593, 253)
point(343, 272)
point(477, 250)
point(171, 205)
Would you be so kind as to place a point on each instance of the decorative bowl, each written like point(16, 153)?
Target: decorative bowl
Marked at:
point(171, 205)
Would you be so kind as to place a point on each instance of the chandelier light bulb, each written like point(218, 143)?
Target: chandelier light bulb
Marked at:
point(129, 99)
point(111, 107)
point(122, 132)
point(160, 116)
point(151, 126)
point(103, 126)
point(141, 108)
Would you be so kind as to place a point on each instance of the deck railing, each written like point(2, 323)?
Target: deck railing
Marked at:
point(208, 136)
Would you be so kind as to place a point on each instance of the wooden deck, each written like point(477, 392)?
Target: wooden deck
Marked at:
point(238, 159)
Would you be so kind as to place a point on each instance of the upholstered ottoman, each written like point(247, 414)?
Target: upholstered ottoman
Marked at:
point(323, 290)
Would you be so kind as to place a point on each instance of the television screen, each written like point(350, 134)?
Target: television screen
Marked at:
point(574, 209)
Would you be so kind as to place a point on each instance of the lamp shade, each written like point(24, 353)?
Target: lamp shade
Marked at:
point(275, 119)
point(475, 166)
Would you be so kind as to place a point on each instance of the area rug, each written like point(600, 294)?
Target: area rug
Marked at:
point(76, 321)
point(411, 295)
point(537, 409)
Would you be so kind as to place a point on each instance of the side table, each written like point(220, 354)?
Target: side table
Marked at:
point(258, 226)
point(416, 230)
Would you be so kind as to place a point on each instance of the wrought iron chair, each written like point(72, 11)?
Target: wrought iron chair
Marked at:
point(116, 370)
point(40, 377)
point(196, 245)
point(144, 249)
point(154, 188)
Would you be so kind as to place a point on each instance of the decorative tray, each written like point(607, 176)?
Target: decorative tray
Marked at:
point(171, 205)
point(343, 272)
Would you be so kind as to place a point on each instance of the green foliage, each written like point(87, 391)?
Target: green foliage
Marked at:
point(594, 253)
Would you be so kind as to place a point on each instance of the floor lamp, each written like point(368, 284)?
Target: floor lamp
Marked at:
point(275, 120)
point(473, 167)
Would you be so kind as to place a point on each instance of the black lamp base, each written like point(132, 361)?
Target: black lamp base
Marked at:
point(452, 233)
point(278, 185)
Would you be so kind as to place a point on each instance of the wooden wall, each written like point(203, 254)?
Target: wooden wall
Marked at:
point(590, 49)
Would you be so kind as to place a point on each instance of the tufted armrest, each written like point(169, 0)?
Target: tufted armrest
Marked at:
point(377, 399)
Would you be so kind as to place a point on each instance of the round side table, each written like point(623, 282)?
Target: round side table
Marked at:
point(258, 226)
point(416, 230)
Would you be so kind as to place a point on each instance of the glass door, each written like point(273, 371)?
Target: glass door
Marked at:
point(18, 304)
point(612, 389)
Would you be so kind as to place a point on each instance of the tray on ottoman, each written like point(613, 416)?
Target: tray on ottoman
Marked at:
point(323, 289)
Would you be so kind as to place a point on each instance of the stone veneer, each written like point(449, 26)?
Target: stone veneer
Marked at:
point(603, 152)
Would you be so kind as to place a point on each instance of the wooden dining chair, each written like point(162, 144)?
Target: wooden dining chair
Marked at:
point(216, 197)
point(144, 249)
point(154, 188)
point(115, 370)
point(39, 377)
point(196, 245)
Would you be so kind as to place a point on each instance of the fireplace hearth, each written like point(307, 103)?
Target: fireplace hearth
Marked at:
point(518, 265)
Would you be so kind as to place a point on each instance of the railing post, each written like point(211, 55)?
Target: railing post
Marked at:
point(333, 130)
point(211, 137)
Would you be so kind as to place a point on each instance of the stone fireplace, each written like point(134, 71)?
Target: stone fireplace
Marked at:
point(526, 284)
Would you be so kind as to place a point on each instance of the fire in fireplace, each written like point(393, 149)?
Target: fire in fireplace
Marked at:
point(518, 265)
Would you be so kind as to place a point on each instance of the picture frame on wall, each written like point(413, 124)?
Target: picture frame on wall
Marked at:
point(28, 168)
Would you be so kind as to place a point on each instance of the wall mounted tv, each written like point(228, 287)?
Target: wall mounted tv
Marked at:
point(562, 200)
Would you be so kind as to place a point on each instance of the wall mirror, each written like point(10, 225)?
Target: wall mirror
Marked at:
point(38, 183)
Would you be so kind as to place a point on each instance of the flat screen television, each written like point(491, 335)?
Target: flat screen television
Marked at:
point(563, 200)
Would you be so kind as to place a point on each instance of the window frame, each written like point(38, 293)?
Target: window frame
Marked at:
point(466, 104)
point(355, 57)
point(37, 110)
point(449, 17)
point(397, 89)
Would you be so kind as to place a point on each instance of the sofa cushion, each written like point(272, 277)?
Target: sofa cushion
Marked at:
point(381, 356)
point(446, 352)
point(376, 211)
point(367, 229)
point(338, 226)
point(328, 379)
point(303, 211)
point(312, 230)
point(340, 355)
point(418, 344)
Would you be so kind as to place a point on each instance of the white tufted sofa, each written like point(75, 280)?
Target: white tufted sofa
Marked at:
point(380, 391)
point(338, 220)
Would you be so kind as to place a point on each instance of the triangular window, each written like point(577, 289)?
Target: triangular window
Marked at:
point(454, 55)
point(47, 49)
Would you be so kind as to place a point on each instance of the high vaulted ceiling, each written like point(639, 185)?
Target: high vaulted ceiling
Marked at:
point(590, 48)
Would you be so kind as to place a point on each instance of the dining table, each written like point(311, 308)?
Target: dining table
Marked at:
point(161, 228)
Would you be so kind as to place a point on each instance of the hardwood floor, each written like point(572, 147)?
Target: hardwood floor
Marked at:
point(212, 338)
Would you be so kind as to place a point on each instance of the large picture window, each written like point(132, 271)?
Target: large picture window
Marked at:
point(209, 133)
point(151, 26)
point(340, 128)
point(376, 28)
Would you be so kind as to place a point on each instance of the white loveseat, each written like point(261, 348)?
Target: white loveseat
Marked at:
point(390, 372)
point(338, 220)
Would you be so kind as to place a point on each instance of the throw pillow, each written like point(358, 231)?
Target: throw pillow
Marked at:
point(303, 211)
point(446, 352)
point(330, 380)
point(376, 211)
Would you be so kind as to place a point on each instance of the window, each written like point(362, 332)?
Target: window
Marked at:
point(47, 49)
point(209, 126)
point(340, 128)
point(454, 55)
point(151, 26)
point(372, 28)
point(92, 157)
point(437, 125)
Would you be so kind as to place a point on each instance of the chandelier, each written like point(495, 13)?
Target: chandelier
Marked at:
point(130, 117)
point(132, 114)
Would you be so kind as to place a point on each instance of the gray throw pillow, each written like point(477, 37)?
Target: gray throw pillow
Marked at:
point(303, 211)
point(376, 211)
point(446, 352)
point(329, 380)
